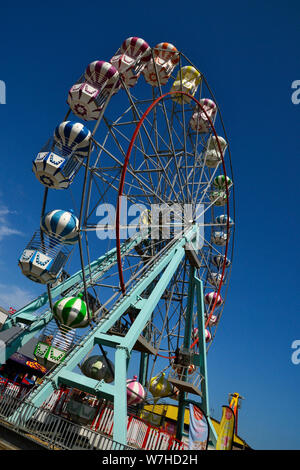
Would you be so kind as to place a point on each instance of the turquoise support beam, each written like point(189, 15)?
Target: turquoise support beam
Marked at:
point(143, 317)
point(190, 308)
point(186, 344)
point(202, 357)
point(202, 345)
point(196, 285)
point(133, 296)
point(86, 384)
point(107, 340)
point(120, 401)
point(180, 415)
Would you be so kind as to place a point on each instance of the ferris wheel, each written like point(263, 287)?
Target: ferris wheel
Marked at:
point(138, 204)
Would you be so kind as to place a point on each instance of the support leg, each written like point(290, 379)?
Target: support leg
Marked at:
point(202, 346)
point(120, 400)
point(186, 344)
point(202, 356)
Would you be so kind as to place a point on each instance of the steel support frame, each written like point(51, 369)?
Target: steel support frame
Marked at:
point(186, 345)
point(63, 374)
point(196, 289)
point(202, 357)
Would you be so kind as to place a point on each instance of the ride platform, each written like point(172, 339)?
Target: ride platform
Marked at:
point(141, 345)
point(185, 386)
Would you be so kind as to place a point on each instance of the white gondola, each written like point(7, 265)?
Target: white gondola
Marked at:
point(131, 59)
point(207, 336)
point(219, 238)
point(212, 156)
point(213, 320)
point(61, 223)
point(218, 198)
point(220, 182)
point(87, 97)
point(218, 261)
point(215, 279)
point(159, 69)
point(222, 220)
point(44, 258)
point(200, 119)
point(187, 81)
point(53, 345)
point(61, 158)
point(211, 297)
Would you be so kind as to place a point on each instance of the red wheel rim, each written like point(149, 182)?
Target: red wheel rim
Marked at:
point(121, 187)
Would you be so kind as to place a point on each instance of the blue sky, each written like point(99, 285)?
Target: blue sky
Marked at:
point(249, 54)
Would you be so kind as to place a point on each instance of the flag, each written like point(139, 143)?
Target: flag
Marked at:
point(198, 430)
point(226, 433)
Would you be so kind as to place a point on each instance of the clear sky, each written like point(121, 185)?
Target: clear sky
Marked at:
point(249, 52)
